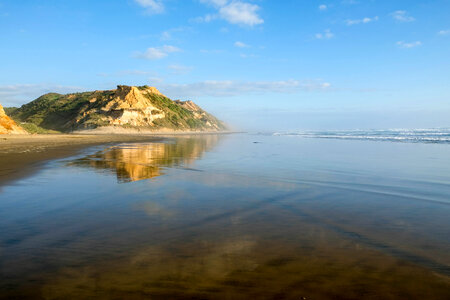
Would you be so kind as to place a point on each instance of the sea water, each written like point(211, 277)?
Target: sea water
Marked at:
point(355, 215)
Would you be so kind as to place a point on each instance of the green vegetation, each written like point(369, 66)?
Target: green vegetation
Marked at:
point(52, 111)
point(143, 87)
point(33, 128)
point(181, 117)
point(176, 115)
point(10, 110)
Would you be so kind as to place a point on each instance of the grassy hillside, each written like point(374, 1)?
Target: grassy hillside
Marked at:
point(10, 110)
point(128, 106)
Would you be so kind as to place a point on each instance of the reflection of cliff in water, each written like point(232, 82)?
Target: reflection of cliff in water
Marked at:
point(137, 161)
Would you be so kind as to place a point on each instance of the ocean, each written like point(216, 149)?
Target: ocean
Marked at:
point(359, 214)
point(433, 135)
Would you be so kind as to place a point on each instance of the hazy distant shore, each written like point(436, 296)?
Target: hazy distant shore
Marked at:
point(21, 155)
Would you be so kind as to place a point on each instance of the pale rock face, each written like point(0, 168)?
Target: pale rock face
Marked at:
point(136, 110)
point(7, 125)
point(128, 105)
point(190, 105)
point(137, 117)
point(128, 97)
point(154, 90)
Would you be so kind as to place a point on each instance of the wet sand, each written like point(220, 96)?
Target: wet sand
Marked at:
point(22, 155)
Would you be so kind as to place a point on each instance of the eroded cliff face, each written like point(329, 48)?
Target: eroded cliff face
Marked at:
point(7, 125)
point(127, 105)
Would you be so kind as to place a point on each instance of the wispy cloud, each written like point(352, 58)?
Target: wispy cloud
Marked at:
point(127, 73)
point(156, 53)
point(241, 45)
point(323, 7)
point(167, 35)
point(151, 6)
point(444, 32)
point(402, 16)
point(215, 2)
point(235, 12)
point(403, 44)
point(327, 34)
point(361, 21)
point(18, 94)
point(349, 2)
point(155, 80)
point(179, 69)
point(206, 19)
point(243, 55)
point(229, 88)
point(212, 51)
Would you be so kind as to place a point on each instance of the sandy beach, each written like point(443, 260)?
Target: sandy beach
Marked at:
point(21, 155)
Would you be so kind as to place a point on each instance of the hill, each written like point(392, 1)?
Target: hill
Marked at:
point(141, 107)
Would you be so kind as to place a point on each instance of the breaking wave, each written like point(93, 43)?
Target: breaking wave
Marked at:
point(434, 135)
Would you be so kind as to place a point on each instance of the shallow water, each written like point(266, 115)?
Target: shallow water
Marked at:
point(232, 217)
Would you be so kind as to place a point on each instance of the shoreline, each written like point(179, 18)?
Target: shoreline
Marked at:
point(24, 155)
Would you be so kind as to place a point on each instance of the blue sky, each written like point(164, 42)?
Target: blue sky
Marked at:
point(259, 65)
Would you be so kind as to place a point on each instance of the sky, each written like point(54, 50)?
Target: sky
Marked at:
point(264, 65)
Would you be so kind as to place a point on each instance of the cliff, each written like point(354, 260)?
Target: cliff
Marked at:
point(127, 106)
point(7, 125)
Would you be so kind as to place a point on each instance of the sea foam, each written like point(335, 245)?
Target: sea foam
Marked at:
point(431, 135)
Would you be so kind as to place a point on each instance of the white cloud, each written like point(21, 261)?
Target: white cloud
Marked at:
point(229, 88)
point(323, 7)
point(241, 13)
point(361, 21)
point(444, 32)
point(18, 94)
point(206, 18)
point(327, 34)
point(212, 51)
point(235, 12)
point(156, 53)
point(402, 44)
point(151, 6)
point(402, 16)
point(241, 45)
